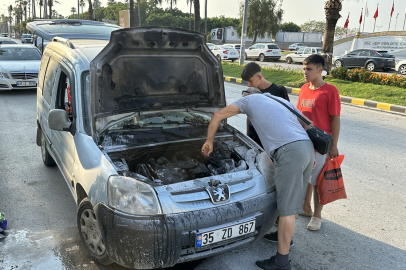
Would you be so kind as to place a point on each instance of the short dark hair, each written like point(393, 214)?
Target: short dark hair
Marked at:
point(250, 70)
point(315, 59)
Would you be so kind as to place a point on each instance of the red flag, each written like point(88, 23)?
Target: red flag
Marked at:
point(360, 18)
point(347, 21)
point(376, 13)
point(393, 8)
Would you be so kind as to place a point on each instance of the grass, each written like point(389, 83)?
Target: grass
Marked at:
point(294, 78)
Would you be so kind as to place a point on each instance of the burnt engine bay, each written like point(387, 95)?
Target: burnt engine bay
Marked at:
point(164, 165)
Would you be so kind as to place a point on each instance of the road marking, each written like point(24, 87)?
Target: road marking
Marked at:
point(228, 79)
point(358, 101)
point(383, 106)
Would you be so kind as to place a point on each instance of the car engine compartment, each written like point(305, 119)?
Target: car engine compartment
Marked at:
point(177, 162)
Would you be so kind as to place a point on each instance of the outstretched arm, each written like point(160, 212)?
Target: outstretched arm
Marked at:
point(224, 113)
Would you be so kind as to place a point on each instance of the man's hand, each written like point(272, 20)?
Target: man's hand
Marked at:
point(334, 152)
point(207, 148)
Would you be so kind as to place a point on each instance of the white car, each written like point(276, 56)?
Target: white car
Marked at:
point(296, 46)
point(235, 46)
point(263, 51)
point(19, 66)
point(401, 67)
point(210, 45)
point(225, 52)
point(302, 54)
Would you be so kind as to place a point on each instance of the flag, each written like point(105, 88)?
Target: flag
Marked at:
point(366, 11)
point(360, 18)
point(393, 8)
point(347, 21)
point(376, 13)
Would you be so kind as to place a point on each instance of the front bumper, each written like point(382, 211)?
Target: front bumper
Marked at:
point(272, 56)
point(145, 242)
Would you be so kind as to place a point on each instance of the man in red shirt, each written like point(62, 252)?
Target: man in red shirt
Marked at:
point(320, 102)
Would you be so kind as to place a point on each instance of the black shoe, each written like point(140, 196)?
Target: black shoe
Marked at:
point(271, 265)
point(273, 237)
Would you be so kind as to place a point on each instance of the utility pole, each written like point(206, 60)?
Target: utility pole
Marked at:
point(132, 24)
point(78, 11)
point(244, 33)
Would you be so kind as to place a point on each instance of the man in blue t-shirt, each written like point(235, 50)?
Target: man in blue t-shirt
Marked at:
point(284, 138)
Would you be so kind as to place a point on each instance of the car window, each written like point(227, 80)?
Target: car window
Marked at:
point(63, 98)
point(26, 36)
point(7, 42)
point(353, 53)
point(49, 79)
point(308, 51)
point(253, 47)
point(228, 47)
point(19, 54)
point(273, 46)
point(364, 53)
point(237, 46)
point(318, 50)
point(261, 46)
point(300, 51)
point(42, 69)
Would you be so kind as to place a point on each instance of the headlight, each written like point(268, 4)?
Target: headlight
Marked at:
point(4, 75)
point(132, 196)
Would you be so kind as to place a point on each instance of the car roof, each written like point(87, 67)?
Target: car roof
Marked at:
point(71, 29)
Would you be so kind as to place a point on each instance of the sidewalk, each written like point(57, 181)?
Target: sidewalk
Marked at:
point(345, 99)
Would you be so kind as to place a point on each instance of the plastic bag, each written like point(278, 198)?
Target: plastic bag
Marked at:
point(330, 184)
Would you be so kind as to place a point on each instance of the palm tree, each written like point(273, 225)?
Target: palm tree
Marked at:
point(90, 11)
point(189, 2)
point(82, 4)
point(50, 5)
point(172, 2)
point(34, 15)
point(40, 3)
point(205, 17)
point(73, 10)
point(197, 15)
point(139, 12)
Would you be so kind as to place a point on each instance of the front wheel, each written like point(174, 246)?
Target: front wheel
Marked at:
point(218, 57)
point(90, 233)
point(245, 56)
point(289, 60)
point(261, 57)
point(338, 63)
point(402, 69)
point(371, 66)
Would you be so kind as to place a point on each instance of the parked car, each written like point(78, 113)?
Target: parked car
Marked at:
point(370, 59)
point(210, 45)
point(26, 38)
point(4, 35)
point(128, 143)
point(399, 55)
point(19, 66)
point(296, 46)
point(235, 46)
point(401, 67)
point(225, 52)
point(263, 52)
point(6, 40)
point(302, 54)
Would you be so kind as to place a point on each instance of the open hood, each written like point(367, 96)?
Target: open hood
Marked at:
point(152, 69)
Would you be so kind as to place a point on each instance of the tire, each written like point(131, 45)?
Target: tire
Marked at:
point(338, 63)
point(218, 57)
point(402, 69)
point(46, 157)
point(288, 60)
point(90, 233)
point(371, 66)
point(232, 61)
point(261, 57)
point(245, 56)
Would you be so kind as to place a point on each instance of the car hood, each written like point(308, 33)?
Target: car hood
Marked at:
point(27, 65)
point(152, 69)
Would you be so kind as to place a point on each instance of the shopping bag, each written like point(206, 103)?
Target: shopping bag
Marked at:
point(330, 184)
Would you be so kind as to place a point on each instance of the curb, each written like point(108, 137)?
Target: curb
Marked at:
point(356, 101)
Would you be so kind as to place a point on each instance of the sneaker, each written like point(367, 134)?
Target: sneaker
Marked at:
point(273, 237)
point(314, 224)
point(270, 264)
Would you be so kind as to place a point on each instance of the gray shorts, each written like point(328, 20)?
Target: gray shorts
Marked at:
point(320, 161)
point(293, 168)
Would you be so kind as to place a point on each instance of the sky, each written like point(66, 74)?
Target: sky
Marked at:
point(296, 11)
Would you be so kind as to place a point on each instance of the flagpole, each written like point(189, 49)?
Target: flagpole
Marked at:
point(389, 22)
point(374, 16)
point(365, 16)
point(404, 22)
point(359, 28)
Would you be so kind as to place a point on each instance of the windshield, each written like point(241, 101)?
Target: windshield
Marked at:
point(19, 54)
point(273, 47)
point(26, 36)
point(318, 50)
point(227, 47)
point(7, 42)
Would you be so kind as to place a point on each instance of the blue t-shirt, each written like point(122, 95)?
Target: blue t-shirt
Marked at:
point(275, 124)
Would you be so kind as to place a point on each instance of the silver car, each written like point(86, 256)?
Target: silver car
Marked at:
point(124, 119)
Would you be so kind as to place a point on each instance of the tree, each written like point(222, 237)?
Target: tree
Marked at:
point(172, 2)
point(82, 4)
point(290, 27)
point(73, 10)
point(40, 3)
point(264, 18)
point(90, 15)
point(313, 26)
point(197, 15)
point(111, 2)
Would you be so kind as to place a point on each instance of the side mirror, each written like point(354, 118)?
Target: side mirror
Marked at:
point(58, 120)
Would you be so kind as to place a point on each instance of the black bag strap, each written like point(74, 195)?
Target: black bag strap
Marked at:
point(292, 110)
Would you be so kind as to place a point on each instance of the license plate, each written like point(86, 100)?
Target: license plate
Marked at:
point(22, 83)
point(275, 52)
point(233, 53)
point(226, 233)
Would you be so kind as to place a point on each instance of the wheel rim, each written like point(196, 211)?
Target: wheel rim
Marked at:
point(370, 66)
point(338, 63)
point(261, 57)
point(402, 69)
point(245, 56)
point(91, 232)
point(288, 60)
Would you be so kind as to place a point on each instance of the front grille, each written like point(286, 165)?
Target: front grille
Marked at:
point(24, 75)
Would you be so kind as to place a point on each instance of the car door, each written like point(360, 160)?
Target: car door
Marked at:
point(251, 51)
point(259, 50)
point(304, 55)
point(349, 60)
point(361, 58)
point(295, 56)
point(63, 141)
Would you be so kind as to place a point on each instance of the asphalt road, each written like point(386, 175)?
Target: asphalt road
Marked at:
point(365, 231)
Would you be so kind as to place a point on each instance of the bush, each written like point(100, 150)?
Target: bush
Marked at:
point(365, 76)
point(297, 84)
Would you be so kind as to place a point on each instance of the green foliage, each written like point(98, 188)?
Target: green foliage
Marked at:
point(290, 27)
point(264, 18)
point(319, 27)
point(340, 73)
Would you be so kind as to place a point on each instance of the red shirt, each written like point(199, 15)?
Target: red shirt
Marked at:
point(319, 104)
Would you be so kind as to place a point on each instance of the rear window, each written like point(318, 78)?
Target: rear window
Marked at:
point(78, 29)
point(274, 46)
point(238, 46)
point(385, 54)
point(19, 54)
point(228, 47)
